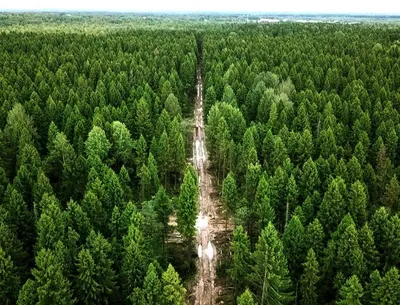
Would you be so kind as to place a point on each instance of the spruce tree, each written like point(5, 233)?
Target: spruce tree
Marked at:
point(309, 280)
point(188, 205)
point(358, 203)
point(173, 291)
point(87, 289)
point(240, 248)
point(351, 292)
point(9, 280)
point(230, 192)
point(293, 245)
point(388, 291)
point(367, 246)
point(52, 286)
point(269, 275)
point(152, 287)
point(246, 298)
point(332, 208)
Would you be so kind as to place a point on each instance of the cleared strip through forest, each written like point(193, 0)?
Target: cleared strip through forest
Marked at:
point(210, 223)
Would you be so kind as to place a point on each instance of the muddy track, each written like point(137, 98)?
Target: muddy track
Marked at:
point(211, 224)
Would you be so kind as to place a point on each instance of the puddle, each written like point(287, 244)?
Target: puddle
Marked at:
point(210, 250)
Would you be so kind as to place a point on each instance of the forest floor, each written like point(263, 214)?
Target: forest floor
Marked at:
point(213, 227)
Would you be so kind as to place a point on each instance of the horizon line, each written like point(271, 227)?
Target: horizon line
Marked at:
point(194, 12)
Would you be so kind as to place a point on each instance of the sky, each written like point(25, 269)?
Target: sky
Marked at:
point(272, 6)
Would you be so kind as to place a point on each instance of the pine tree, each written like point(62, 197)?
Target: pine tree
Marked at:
point(371, 287)
point(78, 220)
point(230, 192)
point(392, 195)
point(19, 218)
point(137, 297)
point(41, 187)
point(351, 292)
point(143, 119)
point(153, 170)
point(50, 227)
point(332, 207)
point(173, 291)
point(177, 151)
point(97, 144)
point(163, 208)
point(358, 203)
point(126, 183)
point(381, 227)
point(163, 158)
point(141, 152)
point(314, 237)
point(134, 260)
point(367, 246)
point(240, 248)
point(309, 179)
point(113, 193)
point(27, 295)
point(291, 197)
point(93, 208)
point(87, 289)
point(246, 298)
point(188, 205)
point(309, 280)
point(270, 277)
point(349, 259)
point(52, 286)
point(122, 143)
point(279, 154)
point(152, 286)
point(100, 250)
point(293, 245)
point(388, 291)
point(172, 106)
point(145, 183)
point(263, 210)
point(9, 281)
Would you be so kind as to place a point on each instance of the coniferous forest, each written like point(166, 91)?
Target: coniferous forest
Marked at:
point(96, 126)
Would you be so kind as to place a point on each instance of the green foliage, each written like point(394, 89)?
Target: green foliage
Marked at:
point(293, 245)
point(309, 279)
point(269, 276)
point(9, 280)
point(52, 287)
point(351, 292)
point(152, 286)
point(240, 248)
point(246, 298)
point(173, 291)
point(97, 144)
point(94, 114)
point(229, 192)
point(188, 205)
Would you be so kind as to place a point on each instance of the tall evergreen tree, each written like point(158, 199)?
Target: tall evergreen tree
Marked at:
point(269, 276)
point(9, 281)
point(351, 292)
point(52, 286)
point(309, 280)
point(152, 286)
point(173, 291)
point(240, 248)
point(188, 205)
point(245, 298)
point(293, 245)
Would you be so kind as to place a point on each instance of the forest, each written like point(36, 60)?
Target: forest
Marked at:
point(302, 130)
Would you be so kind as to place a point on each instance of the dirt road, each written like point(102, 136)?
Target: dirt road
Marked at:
point(210, 222)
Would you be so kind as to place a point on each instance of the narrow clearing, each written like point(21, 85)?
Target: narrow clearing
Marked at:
point(210, 223)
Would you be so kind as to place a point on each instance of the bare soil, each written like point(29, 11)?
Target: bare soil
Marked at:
point(212, 226)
